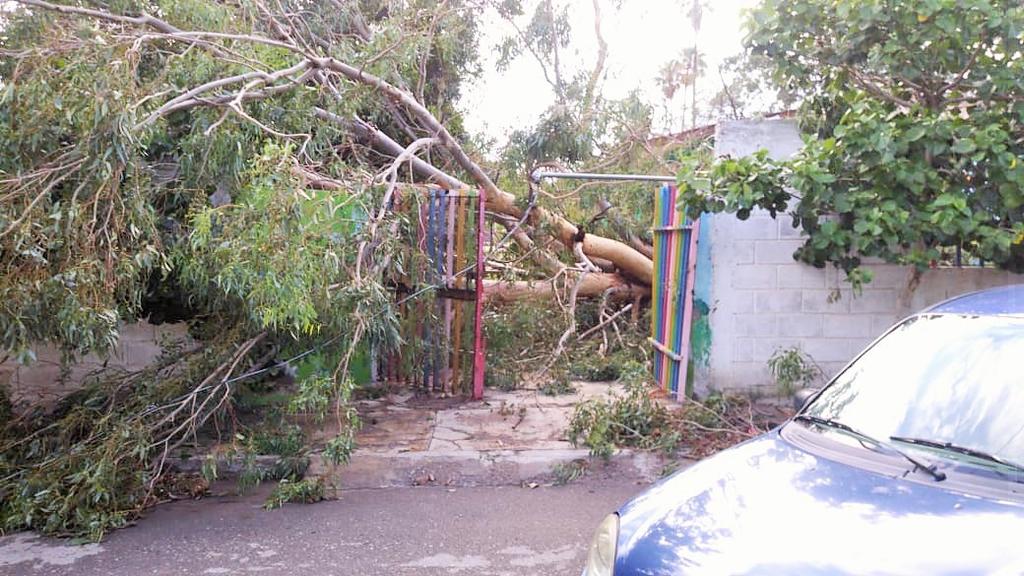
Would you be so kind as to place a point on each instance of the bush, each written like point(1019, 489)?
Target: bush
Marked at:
point(791, 368)
point(287, 442)
point(596, 368)
point(633, 420)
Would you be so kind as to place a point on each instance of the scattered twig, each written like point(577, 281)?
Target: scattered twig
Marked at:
point(605, 323)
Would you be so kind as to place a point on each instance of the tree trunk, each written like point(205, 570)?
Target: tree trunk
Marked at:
point(593, 286)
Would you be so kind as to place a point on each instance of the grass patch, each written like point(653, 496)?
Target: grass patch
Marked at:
point(286, 441)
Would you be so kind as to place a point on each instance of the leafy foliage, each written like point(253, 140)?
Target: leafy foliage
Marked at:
point(747, 89)
point(916, 111)
point(116, 438)
point(226, 261)
point(521, 335)
point(254, 472)
point(791, 368)
point(305, 491)
point(593, 368)
point(558, 385)
point(98, 197)
point(243, 222)
point(638, 420)
point(288, 441)
point(569, 472)
point(634, 419)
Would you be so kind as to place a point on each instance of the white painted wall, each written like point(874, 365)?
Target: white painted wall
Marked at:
point(763, 300)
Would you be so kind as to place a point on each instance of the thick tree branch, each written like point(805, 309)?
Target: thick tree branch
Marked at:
point(625, 257)
point(141, 20)
point(252, 79)
point(383, 143)
point(590, 96)
point(593, 286)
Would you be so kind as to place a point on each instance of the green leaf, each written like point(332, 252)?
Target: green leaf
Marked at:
point(915, 133)
point(964, 146)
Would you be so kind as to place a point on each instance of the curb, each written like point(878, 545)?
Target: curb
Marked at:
point(480, 468)
point(462, 468)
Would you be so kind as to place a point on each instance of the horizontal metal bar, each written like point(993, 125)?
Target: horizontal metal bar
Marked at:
point(457, 195)
point(664, 350)
point(672, 228)
point(537, 176)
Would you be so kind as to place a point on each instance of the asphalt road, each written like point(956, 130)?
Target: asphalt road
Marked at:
point(486, 531)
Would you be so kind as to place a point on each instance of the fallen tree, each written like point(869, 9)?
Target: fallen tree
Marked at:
point(234, 165)
point(307, 66)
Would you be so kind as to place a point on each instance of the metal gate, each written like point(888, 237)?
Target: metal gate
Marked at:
point(675, 263)
point(439, 292)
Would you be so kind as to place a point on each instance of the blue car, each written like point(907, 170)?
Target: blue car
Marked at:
point(910, 461)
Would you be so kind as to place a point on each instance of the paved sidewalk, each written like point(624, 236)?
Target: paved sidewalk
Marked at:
point(508, 438)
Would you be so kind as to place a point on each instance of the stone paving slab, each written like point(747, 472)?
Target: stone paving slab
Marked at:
point(513, 420)
point(520, 419)
point(396, 429)
point(508, 438)
point(515, 427)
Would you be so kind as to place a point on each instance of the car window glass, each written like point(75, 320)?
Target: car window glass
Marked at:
point(946, 378)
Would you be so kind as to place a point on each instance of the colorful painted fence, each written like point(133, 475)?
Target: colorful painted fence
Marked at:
point(675, 260)
point(439, 293)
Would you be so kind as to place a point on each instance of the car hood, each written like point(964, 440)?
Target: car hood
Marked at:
point(768, 507)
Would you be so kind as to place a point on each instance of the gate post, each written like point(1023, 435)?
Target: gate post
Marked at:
point(478, 338)
point(675, 260)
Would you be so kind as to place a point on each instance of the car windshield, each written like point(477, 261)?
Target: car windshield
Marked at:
point(943, 378)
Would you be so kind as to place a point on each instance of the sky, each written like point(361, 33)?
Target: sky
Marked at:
point(642, 35)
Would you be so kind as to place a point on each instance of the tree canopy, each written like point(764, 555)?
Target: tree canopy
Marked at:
point(232, 165)
point(913, 112)
point(124, 151)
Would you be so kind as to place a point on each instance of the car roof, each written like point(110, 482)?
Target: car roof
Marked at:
point(1005, 300)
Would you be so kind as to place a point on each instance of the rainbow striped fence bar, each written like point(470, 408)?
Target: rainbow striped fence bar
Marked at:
point(675, 261)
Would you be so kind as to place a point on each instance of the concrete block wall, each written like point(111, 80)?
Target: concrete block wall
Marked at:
point(44, 382)
point(762, 300)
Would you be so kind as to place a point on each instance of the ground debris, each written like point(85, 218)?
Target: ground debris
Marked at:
point(721, 421)
point(643, 418)
point(180, 486)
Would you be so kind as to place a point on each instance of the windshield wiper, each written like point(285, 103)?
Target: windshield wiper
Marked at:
point(949, 446)
point(830, 423)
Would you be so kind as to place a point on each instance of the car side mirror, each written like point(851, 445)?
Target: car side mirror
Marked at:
point(803, 397)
